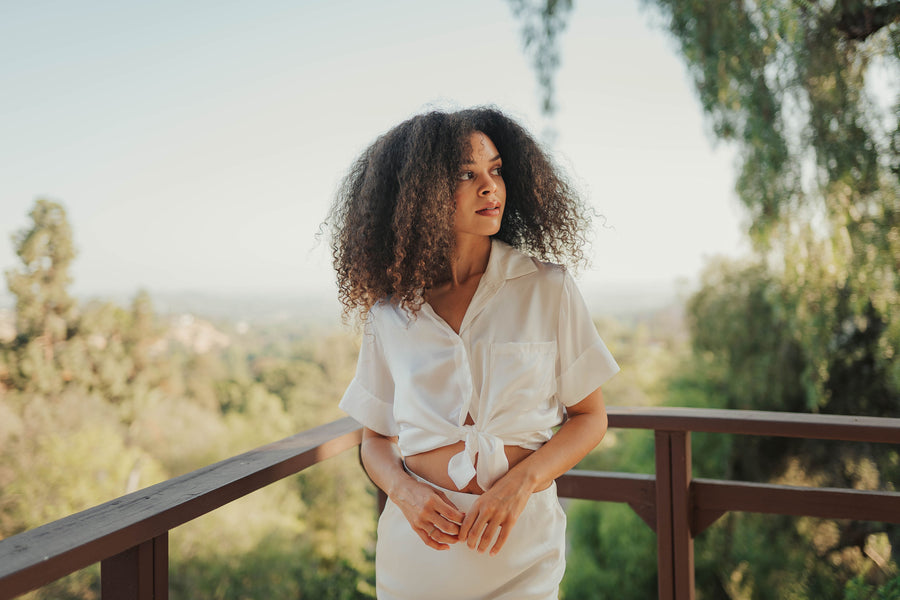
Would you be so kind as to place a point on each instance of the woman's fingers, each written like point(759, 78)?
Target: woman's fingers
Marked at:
point(431, 515)
point(488, 536)
point(440, 536)
point(479, 527)
point(475, 533)
point(449, 511)
point(465, 528)
point(441, 518)
point(439, 531)
point(430, 541)
point(488, 519)
point(446, 525)
point(501, 539)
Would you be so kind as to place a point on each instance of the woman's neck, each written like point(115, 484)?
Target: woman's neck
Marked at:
point(470, 258)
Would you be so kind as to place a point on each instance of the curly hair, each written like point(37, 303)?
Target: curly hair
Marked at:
point(392, 220)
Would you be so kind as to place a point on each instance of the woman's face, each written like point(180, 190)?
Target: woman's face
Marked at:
point(480, 191)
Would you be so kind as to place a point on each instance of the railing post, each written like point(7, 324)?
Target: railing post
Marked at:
point(681, 515)
point(675, 546)
point(664, 535)
point(139, 573)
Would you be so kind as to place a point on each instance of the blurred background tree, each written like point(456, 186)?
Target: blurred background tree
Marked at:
point(99, 400)
point(44, 308)
point(808, 92)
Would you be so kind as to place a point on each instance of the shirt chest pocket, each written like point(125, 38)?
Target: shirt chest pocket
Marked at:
point(522, 375)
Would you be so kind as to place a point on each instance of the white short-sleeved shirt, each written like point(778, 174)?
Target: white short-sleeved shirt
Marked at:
point(526, 348)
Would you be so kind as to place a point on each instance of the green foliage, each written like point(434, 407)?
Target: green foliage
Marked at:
point(73, 446)
point(44, 309)
point(858, 589)
point(787, 82)
point(745, 556)
point(791, 84)
point(277, 569)
point(613, 554)
point(99, 400)
point(80, 585)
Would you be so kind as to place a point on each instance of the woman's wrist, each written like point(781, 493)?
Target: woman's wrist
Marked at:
point(525, 476)
point(398, 484)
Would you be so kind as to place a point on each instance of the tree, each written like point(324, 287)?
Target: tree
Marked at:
point(43, 305)
point(45, 313)
point(793, 85)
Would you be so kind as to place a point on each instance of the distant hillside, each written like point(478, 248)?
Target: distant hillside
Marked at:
point(620, 300)
point(633, 299)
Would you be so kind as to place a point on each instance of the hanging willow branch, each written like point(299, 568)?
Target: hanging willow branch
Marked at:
point(542, 22)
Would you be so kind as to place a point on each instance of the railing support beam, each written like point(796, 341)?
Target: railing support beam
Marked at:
point(675, 545)
point(139, 573)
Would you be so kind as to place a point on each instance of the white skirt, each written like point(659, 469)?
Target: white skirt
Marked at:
point(529, 567)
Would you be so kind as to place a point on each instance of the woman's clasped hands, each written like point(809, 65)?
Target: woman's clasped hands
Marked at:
point(491, 518)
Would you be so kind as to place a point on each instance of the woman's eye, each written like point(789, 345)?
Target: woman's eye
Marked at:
point(466, 175)
point(497, 170)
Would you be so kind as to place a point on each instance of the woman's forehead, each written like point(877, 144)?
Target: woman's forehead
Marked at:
point(480, 146)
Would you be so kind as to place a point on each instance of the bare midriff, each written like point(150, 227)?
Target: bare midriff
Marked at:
point(432, 465)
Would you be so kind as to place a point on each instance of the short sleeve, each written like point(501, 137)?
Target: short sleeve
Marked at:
point(584, 361)
point(370, 396)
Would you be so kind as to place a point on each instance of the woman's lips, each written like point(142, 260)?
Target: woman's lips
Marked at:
point(489, 212)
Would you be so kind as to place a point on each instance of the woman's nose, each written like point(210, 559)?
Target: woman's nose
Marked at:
point(488, 186)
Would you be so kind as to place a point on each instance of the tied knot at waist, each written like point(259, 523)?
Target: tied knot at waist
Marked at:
point(491, 459)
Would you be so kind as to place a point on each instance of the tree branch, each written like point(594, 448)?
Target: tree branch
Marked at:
point(862, 21)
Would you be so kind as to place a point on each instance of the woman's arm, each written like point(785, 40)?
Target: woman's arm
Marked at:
point(430, 513)
point(501, 505)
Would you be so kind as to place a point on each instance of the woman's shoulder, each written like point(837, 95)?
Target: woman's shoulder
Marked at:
point(384, 308)
point(389, 312)
point(529, 277)
point(519, 262)
point(547, 272)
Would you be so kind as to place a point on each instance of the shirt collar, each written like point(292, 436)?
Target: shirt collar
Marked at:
point(506, 263)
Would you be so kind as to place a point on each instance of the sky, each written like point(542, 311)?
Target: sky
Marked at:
point(197, 146)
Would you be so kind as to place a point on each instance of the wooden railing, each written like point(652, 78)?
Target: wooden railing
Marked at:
point(129, 535)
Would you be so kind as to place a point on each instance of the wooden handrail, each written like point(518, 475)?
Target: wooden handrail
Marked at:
point(129, 534)
point(42, 555)
point(757, 422)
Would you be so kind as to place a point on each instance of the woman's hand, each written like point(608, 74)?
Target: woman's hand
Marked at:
point(501, 505)
point(430, 513)
point(496, 509)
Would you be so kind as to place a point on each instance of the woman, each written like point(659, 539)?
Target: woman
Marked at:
point(472, 352)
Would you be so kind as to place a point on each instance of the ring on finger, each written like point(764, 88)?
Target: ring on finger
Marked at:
point(433, 527)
